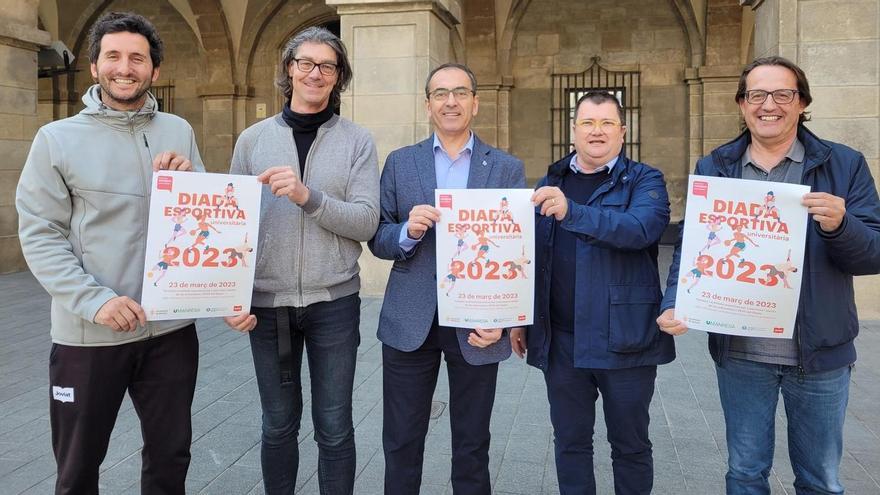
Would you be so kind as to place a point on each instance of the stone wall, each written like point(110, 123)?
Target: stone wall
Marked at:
point(20, 40)
point(561, 37)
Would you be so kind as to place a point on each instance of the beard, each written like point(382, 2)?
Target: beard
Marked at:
point(112, 98)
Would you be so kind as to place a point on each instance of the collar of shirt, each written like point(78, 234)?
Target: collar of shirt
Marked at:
point(452, 174)
point(573, 165)
point(795, 153)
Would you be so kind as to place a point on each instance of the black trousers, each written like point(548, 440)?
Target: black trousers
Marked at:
point(626, 399)
point(409, 380)
point(87, 385)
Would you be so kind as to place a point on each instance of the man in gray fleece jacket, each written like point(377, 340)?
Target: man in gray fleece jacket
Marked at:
point(320, 203)
point(83, 205)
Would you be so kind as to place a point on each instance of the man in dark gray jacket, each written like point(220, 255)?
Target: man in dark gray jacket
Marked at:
point(315, 213)
point(82, 202)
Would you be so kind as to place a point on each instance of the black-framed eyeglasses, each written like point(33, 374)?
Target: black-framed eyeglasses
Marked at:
point(307, 66)
point(780, 96)
point(442, 94)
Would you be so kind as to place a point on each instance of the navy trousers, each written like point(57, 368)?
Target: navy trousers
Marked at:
point(626, 396)
point(409, 379)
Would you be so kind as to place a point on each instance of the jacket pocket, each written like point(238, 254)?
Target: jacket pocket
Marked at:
point(615, 199)
point(631, 317)
point(108, 224)
point(827, 325)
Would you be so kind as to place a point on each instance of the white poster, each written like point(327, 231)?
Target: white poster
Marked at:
point(742, 257)
point(485, 256)
point(201, 245)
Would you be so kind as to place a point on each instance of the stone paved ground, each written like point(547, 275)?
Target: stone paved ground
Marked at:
point(686, 420)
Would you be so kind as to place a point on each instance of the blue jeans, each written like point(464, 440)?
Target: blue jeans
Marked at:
point(815, 406)
point(330, 332)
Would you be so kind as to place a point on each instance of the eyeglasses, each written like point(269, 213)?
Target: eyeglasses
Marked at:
point(442, 94)
point(307, 66)
point(603, 125)
point(780, 96)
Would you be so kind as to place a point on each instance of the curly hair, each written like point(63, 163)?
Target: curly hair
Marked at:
point(119, 22)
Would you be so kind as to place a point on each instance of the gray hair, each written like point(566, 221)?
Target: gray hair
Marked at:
point(461, 67)
point(319, 35)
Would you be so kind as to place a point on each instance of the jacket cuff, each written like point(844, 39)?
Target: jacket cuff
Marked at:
point(834, 233)
point(314, 202)
point(91, 310)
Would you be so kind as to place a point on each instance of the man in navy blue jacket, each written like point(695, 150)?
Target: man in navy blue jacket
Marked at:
point(813, 369)
point(597, 296)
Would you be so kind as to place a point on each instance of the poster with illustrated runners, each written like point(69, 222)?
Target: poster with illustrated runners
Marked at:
point(201, 245)
point(742, 257)
point(485, 250)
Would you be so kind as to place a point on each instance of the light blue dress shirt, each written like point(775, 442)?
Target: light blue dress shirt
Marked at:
point(573, 165)
point(451, 174)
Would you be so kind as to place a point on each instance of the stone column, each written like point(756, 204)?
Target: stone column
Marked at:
point(222, 120)
point(678, 191)
point(392, 46)
point(20, 40)
point(837, 44)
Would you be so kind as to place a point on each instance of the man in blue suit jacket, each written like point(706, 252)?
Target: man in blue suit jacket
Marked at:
point(408, 328)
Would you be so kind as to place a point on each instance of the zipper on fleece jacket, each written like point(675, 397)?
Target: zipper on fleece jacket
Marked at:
point(144, 183)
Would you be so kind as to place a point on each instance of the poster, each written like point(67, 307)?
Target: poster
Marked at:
point(742, 257)
point(485, 254)
point(201, 245)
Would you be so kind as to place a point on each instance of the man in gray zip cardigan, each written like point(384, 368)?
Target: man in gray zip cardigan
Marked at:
point(315, 212)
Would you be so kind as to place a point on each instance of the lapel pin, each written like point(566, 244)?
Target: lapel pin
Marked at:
point(484, 163)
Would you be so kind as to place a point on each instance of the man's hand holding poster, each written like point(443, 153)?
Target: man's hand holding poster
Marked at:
point(201, 245)
point(485, 250)
point(741, 257)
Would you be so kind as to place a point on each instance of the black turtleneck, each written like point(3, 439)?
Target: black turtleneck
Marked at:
point(305, 129)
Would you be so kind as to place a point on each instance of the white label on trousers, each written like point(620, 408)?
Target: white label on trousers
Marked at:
point(63, 394)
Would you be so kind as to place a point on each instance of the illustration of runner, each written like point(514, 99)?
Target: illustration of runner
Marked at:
point(714, 226)
point(179, 231)
point(241, 252)
point(230, 196)
point(460, 234)
point(161, 267)
point(739, 243)
point(504, 211)
point(517, 264)
point(203, 232)
point(701, 264)
point(483, 244)
point(455, 269)
point(768, 209)
point(782, 269)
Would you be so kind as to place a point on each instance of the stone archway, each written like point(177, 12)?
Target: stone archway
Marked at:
point(508, 35)
point(213, 33)
point(688, 19)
